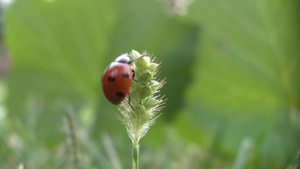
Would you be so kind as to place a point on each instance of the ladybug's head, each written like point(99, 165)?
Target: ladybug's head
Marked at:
point(124, 58)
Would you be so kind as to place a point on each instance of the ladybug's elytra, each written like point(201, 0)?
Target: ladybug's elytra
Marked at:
point(116, 79)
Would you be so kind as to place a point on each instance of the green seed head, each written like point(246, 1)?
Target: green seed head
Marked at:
point(145, 102)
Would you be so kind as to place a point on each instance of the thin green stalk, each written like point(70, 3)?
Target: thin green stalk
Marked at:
point(135, 154)
point(71, 125)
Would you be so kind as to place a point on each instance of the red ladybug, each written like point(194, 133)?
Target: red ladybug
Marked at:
point(116, 79)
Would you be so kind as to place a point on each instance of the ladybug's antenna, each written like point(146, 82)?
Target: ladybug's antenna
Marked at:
point(125, 58)
point(133, 60)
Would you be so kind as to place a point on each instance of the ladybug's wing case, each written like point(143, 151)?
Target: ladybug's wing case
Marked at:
point(116, 81)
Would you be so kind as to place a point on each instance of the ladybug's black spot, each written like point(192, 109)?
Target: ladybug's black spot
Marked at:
point(111, 79)
point(120, 94)
point(126, 75)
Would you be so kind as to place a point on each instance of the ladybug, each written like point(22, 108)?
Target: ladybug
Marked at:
point(116, 79)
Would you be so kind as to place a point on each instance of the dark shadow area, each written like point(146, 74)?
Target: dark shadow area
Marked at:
point(177, 65)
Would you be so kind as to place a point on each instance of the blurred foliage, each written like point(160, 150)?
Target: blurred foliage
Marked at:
point(1, 22)
point(232, 70)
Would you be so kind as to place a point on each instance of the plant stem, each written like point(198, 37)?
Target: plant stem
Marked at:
point(70, 118)
point(135, 154)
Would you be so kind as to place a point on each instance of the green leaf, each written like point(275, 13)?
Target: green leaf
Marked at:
point(56, 48)
point(248, 58)
point(246, 75)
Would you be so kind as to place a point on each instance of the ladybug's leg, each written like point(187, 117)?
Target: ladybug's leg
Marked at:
point(133, 74)
point(129, 101)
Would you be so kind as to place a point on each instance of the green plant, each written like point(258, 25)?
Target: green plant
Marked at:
point(145, 102)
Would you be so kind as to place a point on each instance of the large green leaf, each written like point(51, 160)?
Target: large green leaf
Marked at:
point(250, 54)
point(246, 78)
point(56, 49)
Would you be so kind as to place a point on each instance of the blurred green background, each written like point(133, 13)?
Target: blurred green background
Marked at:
point(232, 71)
